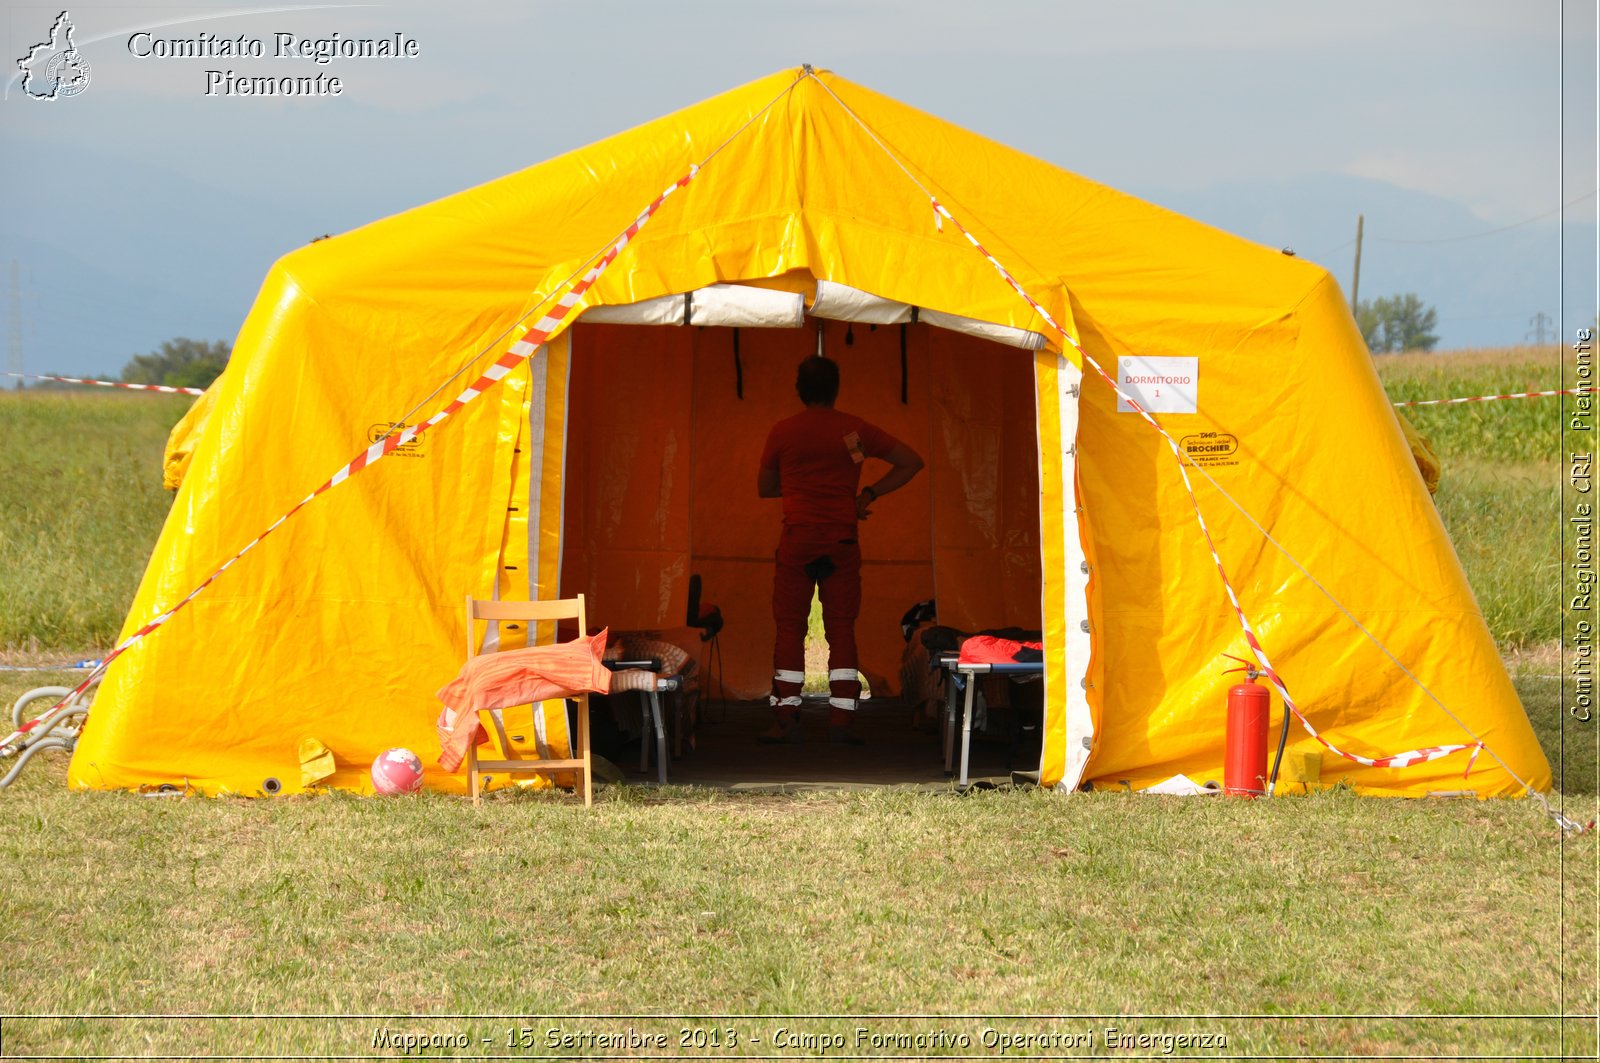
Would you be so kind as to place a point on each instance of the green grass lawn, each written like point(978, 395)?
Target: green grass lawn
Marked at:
point(81, 504)
point(1012, 902)
point(1412, 913)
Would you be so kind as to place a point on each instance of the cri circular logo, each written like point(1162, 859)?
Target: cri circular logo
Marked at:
point(68, 72)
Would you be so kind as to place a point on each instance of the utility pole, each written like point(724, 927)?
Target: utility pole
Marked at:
point(1540, 322)
point(1355, 282)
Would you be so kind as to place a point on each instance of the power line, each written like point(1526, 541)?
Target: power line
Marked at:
point(1319, 256)
point(1448, 316)
point(1489, 232)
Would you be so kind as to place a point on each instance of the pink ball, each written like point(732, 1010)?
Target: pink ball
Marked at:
point(397, 771)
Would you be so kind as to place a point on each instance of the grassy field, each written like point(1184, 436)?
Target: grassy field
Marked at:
point(1500, 488)
point(1012, 902)
point(81, 503)
point(1343, 927)
point(1510, 431)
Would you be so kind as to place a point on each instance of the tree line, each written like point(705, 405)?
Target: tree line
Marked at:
point(1388, 324)
point(1397, 323)
point(180, 363)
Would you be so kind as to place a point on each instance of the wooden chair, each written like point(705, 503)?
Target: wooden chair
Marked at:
point(580, 760)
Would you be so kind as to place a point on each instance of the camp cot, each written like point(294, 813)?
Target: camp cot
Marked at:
point(620, 458)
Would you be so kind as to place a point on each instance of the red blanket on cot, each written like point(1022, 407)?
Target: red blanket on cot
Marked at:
point(515, 677)
point(987, 649)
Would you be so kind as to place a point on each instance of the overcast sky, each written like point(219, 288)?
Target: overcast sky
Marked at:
point(1185, 103)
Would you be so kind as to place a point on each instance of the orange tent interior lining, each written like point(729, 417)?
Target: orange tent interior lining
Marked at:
point(661, 465)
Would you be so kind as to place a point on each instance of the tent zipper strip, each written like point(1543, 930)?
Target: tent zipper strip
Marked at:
point(111, 384)
point(1395, 760)
point(521, 350)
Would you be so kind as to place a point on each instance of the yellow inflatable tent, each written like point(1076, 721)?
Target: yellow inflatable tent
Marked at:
point(621, 457)
point(184, 435)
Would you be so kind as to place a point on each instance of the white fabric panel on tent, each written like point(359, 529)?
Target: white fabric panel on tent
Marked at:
point(730, 305)
point(840, 302)
point(1011, 337)
point(667, 310)
point(735, 304)
point(1074, 576)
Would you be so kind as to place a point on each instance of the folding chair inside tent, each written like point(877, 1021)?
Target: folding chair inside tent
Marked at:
point(580, 761)
point(650, 664)
point(642, 677)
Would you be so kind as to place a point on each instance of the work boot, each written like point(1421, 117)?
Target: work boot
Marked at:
point(842, 722)
point(782, 733)
point(844, 736)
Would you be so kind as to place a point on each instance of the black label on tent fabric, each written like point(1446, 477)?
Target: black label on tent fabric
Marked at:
point(1210, 448)
point(414, 449)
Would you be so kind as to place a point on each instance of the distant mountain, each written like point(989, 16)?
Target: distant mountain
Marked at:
point(116, 257)
point(82, 318)
point(1486, 288)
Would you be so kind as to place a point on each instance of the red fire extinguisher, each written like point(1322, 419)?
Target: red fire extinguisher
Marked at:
point(1249, 706)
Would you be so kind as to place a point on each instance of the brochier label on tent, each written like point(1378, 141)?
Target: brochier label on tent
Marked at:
point(1211, 448)
point(1160, 385)
point(415, 448)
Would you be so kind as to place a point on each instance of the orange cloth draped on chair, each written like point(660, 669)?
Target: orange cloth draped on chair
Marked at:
point(515, 677)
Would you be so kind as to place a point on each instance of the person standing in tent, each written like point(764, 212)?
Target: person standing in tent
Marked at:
point(813, 462)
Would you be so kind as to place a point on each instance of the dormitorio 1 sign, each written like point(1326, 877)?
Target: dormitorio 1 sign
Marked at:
point(319, 50)
point(1159, 385)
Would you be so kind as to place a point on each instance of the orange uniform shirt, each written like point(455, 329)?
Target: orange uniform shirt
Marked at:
point(817, 455)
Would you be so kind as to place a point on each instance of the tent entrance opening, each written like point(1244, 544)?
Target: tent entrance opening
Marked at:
point(665, 431)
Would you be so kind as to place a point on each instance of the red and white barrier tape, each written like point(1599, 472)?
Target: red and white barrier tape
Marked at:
point(518, 353)
point(1396, 760)
point(525, 347)
point(111, 384)
point(1491, 398)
